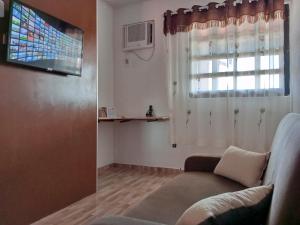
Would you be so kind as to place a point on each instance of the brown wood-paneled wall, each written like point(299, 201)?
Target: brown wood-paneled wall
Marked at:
point(48, 127)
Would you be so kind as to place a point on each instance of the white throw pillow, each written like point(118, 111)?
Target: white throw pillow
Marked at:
point(246, 207)
point(242, 166)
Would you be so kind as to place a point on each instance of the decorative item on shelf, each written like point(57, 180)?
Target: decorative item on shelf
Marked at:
point(103, 112)
point(150, 112)
point(111, 112)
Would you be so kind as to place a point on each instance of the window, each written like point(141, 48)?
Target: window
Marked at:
point(240, 74)
point(258, 65)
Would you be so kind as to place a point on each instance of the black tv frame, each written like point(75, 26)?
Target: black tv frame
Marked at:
point(23, 64)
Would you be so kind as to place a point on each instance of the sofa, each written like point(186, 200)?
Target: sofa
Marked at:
point(166, 205)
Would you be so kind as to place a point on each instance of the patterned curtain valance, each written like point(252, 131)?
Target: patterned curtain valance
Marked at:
point(222, 14)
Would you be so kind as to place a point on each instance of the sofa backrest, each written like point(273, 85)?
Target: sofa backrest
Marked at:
point(284, 172)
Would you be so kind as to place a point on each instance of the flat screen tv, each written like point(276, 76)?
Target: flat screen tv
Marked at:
point(41, 41)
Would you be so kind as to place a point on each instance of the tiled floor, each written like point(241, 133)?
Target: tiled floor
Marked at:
point(119, 189)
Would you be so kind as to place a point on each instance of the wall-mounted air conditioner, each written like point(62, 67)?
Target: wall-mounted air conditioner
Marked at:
point(138, 36)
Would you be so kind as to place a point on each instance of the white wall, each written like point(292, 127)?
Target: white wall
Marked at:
point(140, 84)
point(106, 81)
point(295, 54)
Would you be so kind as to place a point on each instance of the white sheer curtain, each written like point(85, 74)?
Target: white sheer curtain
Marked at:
point(227, 84)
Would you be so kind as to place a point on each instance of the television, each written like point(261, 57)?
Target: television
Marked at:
point(41, 41)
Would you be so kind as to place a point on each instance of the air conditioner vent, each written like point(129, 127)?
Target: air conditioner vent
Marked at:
point(137, 32)
point(138, 36)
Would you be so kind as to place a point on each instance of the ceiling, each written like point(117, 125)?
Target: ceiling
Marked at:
point(120, 3)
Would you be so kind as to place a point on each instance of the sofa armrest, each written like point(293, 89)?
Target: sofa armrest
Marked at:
point(122, 220)
point(201, 163)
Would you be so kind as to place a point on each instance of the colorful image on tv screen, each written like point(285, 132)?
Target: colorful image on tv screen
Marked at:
point(33, 41)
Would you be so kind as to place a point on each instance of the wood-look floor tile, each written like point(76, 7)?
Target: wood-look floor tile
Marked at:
point(120, 187)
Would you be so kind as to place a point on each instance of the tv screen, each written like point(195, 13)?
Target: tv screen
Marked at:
point(39, 40)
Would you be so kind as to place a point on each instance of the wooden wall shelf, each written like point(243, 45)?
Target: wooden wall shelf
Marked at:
point(127, 119)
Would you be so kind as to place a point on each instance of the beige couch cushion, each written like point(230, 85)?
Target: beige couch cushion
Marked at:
point(242, 166)
point(249, 206)
point(168, 203)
